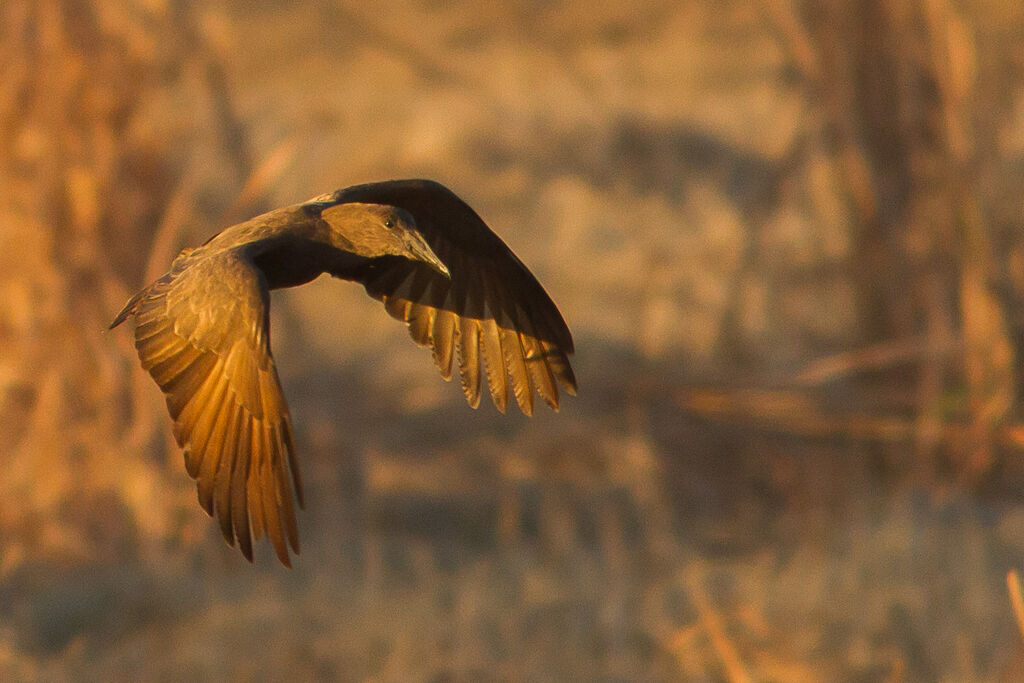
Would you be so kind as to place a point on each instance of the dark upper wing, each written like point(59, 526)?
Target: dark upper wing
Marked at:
point(492, 309)
point(202, 333)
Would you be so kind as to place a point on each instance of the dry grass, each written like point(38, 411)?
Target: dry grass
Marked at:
point(785, 234)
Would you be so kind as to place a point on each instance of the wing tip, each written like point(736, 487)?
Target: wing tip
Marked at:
point(471, 393)
point(567, 377)
point(282, 555)
point(129, 309)
point(246, 551)
point(205, 502)
point(123, 315)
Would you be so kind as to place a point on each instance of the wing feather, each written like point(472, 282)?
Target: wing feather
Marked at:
point(201, 332)
point(293, 465)
point(522, 387)
point(494, 362)
point(195, 421)
point(421, 324)
point(255, 482)
point(540, 372)
point(283, 493)
point(238, 493)
point(222, 482)
point(469, 359)
point(491, 309)
point(443, 336)
point(268, 489)
point(212, 452)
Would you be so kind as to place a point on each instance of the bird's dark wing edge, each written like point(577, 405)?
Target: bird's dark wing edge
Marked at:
point(202, 333)
point(492, 309)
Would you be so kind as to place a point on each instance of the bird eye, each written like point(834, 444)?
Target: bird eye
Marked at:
point(387, 223)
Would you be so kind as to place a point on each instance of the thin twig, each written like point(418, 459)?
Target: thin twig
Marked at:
point(735, 671)
point(793, 37)
point(877, 357)
point(792, 412)
point(1016, 599)
point(256, 188)
point(166, 240)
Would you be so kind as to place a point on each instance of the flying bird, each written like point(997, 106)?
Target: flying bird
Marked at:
point(203, 331)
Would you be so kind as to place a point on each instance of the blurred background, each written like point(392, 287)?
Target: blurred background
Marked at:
point(786, 235)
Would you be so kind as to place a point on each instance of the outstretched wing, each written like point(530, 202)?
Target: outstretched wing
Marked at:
point(202, 332)
point(492, 309)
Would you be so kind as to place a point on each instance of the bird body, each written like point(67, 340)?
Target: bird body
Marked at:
point(202, 331)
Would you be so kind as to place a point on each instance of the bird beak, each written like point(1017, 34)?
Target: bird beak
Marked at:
point(420, 250)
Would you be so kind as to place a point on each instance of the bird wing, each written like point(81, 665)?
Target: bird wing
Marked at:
point(202, 332)
point(491, 309)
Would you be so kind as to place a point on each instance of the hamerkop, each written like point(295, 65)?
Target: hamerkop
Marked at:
point(202, 331)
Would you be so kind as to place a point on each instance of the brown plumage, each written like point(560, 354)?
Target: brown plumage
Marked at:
point(202, 331)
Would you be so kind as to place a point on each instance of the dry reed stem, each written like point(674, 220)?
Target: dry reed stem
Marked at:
point(793, 37)
point(421, 59)
point(166, 240)
point(793, 412)
point(711, 622)
point(1016, 598)
point(988, 368)
point(264, 175)
point(877, 357)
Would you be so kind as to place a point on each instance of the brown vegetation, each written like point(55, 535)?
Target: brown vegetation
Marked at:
point(787, 237)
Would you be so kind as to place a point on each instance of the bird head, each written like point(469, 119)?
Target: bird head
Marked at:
point(374, 230)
